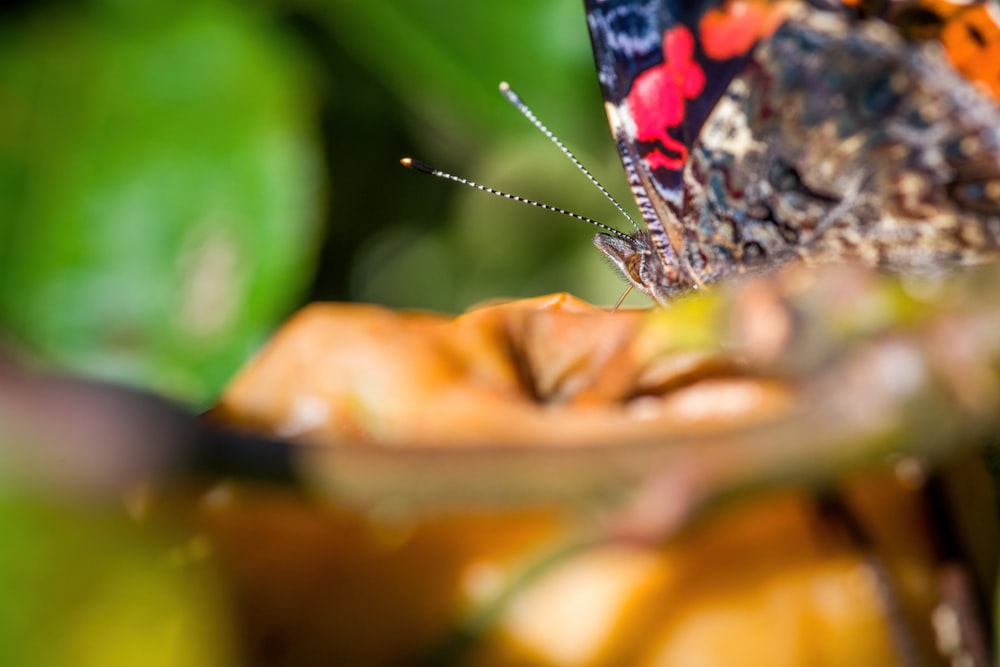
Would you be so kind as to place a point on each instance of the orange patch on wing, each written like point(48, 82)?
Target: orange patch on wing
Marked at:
point(733, 29)
point(971, 38)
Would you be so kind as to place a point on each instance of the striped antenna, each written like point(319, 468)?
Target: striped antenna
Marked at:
point(417, 165)
point(513, 98)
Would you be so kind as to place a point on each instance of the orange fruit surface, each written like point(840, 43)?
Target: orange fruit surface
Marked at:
point(777, 579)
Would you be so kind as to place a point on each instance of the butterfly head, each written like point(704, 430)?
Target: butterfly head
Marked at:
point(640, 263)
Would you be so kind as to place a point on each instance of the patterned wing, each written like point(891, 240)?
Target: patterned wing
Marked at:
point(969, 32)
point(663, 66)
point(756, 133)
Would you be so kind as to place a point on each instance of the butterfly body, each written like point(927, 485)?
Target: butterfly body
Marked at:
point(755, 134)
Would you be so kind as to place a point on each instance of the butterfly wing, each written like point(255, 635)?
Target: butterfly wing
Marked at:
point(757, 132)
point(843, 139)
point(663, 65)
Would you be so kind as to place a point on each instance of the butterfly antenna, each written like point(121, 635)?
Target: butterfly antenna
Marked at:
point(423, 168)
point(518, 104)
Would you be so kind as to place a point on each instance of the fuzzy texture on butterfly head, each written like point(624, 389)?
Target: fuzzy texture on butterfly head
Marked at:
point(641, 264)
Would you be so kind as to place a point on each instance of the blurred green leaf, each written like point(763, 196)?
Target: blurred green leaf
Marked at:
point(444, 58)
point(159, 176)
point(419, 77)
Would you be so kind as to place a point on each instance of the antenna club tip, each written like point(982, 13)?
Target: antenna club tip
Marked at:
point(504, 87)
point(416, 165)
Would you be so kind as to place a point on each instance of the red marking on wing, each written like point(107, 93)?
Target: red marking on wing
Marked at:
point(678, 52)
point(659, 96)
point(657, 158)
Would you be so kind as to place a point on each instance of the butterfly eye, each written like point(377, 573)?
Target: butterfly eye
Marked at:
point(634, 267)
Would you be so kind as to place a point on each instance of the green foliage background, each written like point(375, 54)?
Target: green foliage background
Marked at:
point(177, 177)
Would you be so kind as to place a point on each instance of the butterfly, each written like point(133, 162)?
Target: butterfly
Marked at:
point(757, 133)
